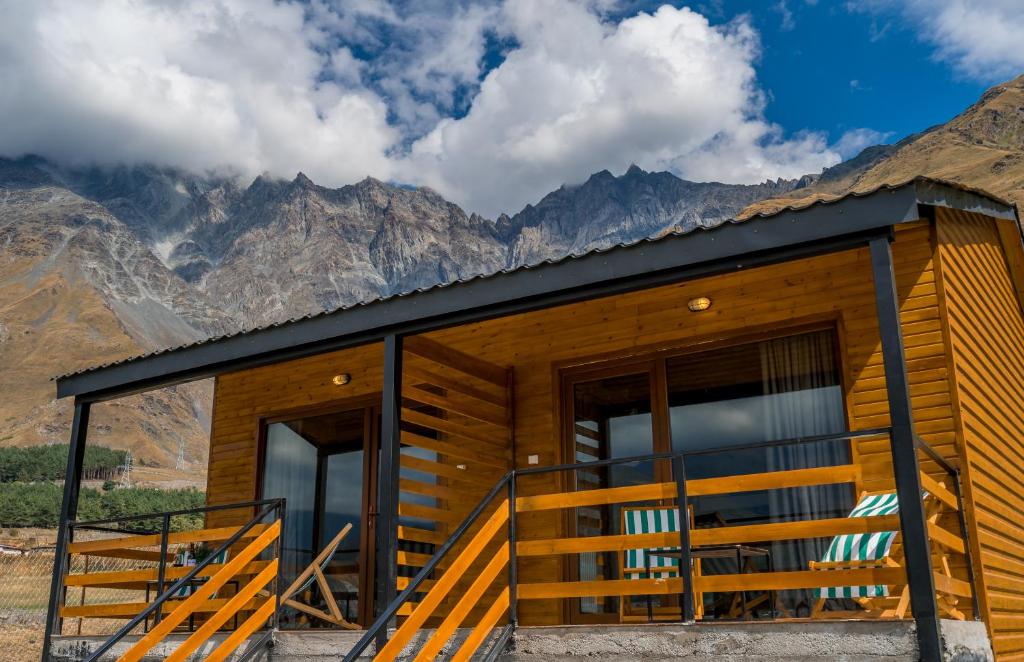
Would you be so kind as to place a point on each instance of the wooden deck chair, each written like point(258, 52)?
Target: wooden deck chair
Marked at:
point(875, 550)
point(315, 573)
point(635, 562)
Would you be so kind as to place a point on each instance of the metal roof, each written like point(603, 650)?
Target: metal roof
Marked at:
point(853, 212)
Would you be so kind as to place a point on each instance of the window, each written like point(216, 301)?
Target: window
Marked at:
point(719, 402)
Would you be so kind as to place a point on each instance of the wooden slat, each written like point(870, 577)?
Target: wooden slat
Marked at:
point(551, 546)
point(445, 583)
point(952, 586)
point(416, 534)
point(950, 541)
point(427, 489)
point(454, 359)
point(426, 512)
point(725, 535)
point(772, 480)
point(461, 609)
point(598, 588)
point(489, 438)
point(934, 488)
point(470, 453)
point(117, 579)
point(846, 473)
point(479, 411)
point(649, 492)
point(131, 555)
point(483, 479)
point(133, 609)
point(179, 538)
point(821, 528)
point(462, 387)
point(783, 581)
point(223, 615)
point(258, 619)
point(201, 594)
point(483, 628)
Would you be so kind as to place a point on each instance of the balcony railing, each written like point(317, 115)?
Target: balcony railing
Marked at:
point(472, 579)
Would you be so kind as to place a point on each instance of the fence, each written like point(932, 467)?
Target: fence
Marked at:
point(25, 592)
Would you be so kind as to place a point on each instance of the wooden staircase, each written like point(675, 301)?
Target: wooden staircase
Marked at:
point(192, 593)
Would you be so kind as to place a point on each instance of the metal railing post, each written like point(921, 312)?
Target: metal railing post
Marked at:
point(68, 512)
point(280, 565)
point(513, 575)
point(965, 534)
point(162, 572)
point(685, 552)
point(903, 446)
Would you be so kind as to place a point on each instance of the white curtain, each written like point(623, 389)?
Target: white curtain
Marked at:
point(802, 400)
point(290, 472)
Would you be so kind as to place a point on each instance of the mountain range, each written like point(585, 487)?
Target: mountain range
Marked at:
point(97, 264)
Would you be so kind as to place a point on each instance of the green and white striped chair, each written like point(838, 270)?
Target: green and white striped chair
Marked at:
point(861, 549)
point(875, 550)
point(636, 521)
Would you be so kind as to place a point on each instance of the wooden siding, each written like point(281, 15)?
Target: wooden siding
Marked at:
point(986, 338)
point(243, 399)
point(834, 288)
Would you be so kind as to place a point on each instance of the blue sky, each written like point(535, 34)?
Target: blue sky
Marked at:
point(837, 69)
point(492, 103)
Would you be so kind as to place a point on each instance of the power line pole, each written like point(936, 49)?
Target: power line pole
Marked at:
point(126, 471)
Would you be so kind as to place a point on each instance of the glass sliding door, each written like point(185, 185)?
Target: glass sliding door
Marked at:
point(715, 401)
point(611, 418)
point(324, 466)
point(770, 390)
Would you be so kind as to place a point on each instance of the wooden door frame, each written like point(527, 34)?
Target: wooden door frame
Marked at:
point(370, 405)
point(654, 359)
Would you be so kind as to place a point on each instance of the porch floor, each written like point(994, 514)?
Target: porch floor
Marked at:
point(837, 641)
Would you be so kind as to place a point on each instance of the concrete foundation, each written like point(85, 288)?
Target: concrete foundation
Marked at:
point(835, 641)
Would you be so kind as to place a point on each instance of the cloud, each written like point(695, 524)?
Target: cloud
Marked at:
point(853, 142)
point(980, 38)
point(201, 85)
point(492, 104)
point(787, 22)
point(662, 90)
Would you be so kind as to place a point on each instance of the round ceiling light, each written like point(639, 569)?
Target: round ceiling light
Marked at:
point(698, 304)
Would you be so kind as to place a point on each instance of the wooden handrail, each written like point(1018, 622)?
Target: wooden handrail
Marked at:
point(237, 602)
point(204, 593)
point(483, 628)
point(461, 610)
point(444, 584)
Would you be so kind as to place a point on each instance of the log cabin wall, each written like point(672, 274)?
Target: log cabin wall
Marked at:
point(835, 289)
point(986, 340)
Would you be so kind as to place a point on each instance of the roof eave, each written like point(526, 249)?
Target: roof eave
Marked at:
point(620, 269)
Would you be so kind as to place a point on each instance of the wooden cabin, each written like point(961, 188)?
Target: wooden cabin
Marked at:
point(775, 375)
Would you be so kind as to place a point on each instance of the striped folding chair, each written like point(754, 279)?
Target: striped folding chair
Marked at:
point(646, 563)
point(873, 550)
